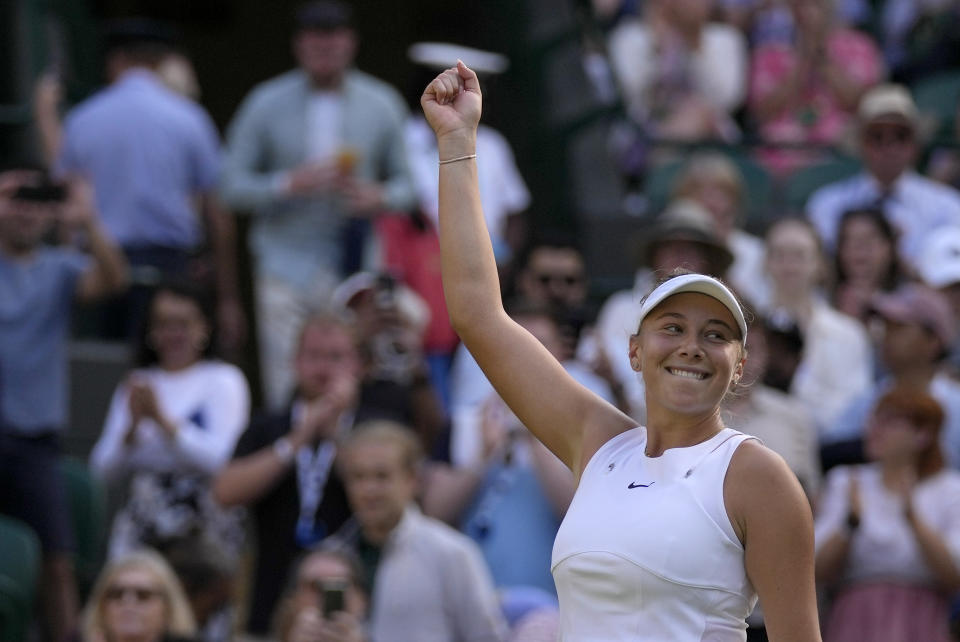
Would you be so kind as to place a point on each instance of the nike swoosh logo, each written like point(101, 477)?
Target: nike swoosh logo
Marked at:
point(636, 485)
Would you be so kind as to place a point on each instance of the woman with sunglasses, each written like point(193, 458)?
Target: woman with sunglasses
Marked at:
point(676, 526)
point(138, 598)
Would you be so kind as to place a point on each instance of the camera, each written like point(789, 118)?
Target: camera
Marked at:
point(46, 191)
point(333, 596)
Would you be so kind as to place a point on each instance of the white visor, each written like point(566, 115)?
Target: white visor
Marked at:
point(701, 284)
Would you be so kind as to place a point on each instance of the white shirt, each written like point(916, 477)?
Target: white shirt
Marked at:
point(719, 67)
point(647, 552)
point(836, 366)
point(210, 404)
point(502, 189)
point(324, 124)
point(747, 273)
point(916, 207)
point(884, 546)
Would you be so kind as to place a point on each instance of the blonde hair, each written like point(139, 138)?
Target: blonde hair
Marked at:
point(388, 432)
point(179, 621)
point(709, 167)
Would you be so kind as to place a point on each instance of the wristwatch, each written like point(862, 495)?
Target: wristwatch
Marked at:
point(283, 449)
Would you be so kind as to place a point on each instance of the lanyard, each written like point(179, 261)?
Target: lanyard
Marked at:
point(313, 472)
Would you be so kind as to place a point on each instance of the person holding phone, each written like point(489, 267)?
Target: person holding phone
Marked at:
point(327, 601)
point(676, 527)
point(38, 287)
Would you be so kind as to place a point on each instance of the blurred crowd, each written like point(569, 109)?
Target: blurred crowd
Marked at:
point(365, 482)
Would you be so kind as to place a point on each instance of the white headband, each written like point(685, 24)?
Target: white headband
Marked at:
point(701, 284)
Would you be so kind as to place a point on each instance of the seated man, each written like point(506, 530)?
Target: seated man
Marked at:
point(429, 582)
point(38, 285)
point(888, 136)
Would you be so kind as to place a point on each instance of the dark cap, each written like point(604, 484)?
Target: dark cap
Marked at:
point(127, 32)
point(687, 220)
point(325, 15)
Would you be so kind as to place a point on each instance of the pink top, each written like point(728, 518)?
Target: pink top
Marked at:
point(816, 115)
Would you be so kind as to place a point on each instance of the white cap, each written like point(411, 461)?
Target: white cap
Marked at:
point(701, 284)
point(939, 262)
point(443, 55)
point(410, 305)
point(885, 101)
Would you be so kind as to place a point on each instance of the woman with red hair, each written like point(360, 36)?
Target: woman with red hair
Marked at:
point(888, 532)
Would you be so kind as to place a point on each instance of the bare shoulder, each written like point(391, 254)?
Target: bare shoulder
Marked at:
point(759, 486)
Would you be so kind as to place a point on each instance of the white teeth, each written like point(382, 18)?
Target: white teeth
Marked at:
point(686, 373)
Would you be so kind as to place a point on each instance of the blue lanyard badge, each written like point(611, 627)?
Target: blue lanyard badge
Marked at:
point(313, 471)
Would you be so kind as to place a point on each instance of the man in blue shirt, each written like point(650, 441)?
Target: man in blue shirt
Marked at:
point(38, 285)
point(154, 159)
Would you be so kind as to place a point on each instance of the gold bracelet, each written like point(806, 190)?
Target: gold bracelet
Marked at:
point(458, 158)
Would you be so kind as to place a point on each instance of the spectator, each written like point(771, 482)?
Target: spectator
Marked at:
point(866, 261)
point(549, 271)
point(918, 329)
point(919, 37)
point(503, 191)
point(944, 162)
point(682, 76)
point(152, 154)
point(306, 614)
point(209, 576)
point(836, 363)
point(429, 581)
point(282, 468)
point(888, 131)
point(174, 69)
point(780, 421)
point(312, 154)
point(713, 180)
point(806, 91)
point(888, 532)
point(138, 598)
point(940, 269)
point(506, 490)
point(172, 424)
point(389, 319)
point(38, 285)
point(684, 236)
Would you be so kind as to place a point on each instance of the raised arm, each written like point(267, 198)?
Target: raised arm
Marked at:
point(571, 421)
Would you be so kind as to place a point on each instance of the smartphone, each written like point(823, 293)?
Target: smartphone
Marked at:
point(332, 596)
point(46, 192)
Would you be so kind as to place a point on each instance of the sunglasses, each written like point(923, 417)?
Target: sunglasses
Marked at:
point(882, 136)
point(569, 280)
point(139, 593)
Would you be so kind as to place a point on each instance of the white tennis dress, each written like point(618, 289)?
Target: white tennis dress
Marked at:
point(646, 551)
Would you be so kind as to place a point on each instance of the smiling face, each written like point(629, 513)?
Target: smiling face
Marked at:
point(179, 331)
point(689, 351)
point(864, 253)
point(793, 260)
